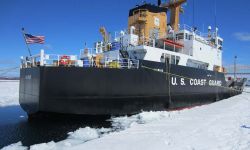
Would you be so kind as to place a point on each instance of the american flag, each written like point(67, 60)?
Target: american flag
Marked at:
point(30, 39)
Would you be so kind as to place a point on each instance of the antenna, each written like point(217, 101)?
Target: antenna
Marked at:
point(215, 13)
point(193, 13)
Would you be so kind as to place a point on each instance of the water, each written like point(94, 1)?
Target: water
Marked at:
point(15, 126)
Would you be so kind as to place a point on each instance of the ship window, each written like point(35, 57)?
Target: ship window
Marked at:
point(175, 59)
point(179, 36)
point(197, 64)
point(165, 58)
point(220, 42)
point(190, 37)
point(186, 36)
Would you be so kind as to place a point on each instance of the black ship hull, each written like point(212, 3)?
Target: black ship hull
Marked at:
point(107, 91)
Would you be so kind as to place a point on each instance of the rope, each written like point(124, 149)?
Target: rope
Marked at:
point(180, 76)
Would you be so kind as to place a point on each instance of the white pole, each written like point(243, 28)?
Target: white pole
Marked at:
point(33, 61)
point(23, 32)
point(42, 57)
point(58, 60)
point(22, 62)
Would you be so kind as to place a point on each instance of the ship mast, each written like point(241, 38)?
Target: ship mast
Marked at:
point(175, 7)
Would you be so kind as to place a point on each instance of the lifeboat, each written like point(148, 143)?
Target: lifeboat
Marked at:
point(171, 43)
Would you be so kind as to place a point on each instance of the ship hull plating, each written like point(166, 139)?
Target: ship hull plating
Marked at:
point(107, 91)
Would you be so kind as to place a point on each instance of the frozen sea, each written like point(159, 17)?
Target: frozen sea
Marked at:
point(224, 125)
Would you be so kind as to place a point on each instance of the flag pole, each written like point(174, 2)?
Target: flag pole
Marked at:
point(26, 41)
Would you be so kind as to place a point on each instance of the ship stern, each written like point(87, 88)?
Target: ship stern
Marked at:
point(29, 89)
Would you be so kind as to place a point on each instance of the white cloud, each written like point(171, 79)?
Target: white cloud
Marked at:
point(242, 36)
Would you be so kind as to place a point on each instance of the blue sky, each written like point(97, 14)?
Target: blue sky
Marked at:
point(68, 24)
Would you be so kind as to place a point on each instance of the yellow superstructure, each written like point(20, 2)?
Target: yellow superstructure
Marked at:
point(149, 21)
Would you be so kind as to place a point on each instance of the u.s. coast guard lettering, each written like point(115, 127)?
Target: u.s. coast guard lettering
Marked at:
point(195, 82)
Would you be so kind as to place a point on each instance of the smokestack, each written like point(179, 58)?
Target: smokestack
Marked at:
point(159, 2)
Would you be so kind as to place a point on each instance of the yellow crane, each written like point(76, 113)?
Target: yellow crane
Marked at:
point(175, 7)
point(105, 34)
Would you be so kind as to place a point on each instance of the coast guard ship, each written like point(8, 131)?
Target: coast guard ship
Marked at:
point(153, 65)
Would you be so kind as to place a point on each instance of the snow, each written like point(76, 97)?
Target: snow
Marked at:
point(9, 93)
point(15, 146)
point(224, 125)
point(84, 134)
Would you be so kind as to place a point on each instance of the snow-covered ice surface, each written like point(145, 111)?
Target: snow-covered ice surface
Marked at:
point(224, 125)
point(9, 93)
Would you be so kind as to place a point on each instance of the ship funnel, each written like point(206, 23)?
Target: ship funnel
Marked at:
point(159, 2)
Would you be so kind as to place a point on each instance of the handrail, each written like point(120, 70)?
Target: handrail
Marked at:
point(98, 61)
point(108, 62)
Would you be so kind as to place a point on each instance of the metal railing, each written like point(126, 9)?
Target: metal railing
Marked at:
point(152, 42)
point(87, 52)
point(197, 32)
point(107, 62)
point(98, 61)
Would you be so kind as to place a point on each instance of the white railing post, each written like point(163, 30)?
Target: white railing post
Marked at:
point(42, 57)
point(22, 62)
point(92, 61)
point(58, 60)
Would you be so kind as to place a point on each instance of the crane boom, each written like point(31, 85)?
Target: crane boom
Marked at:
point(105, 34)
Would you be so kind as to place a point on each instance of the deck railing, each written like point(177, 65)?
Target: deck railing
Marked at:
point(97, 61)
point(107, 62)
